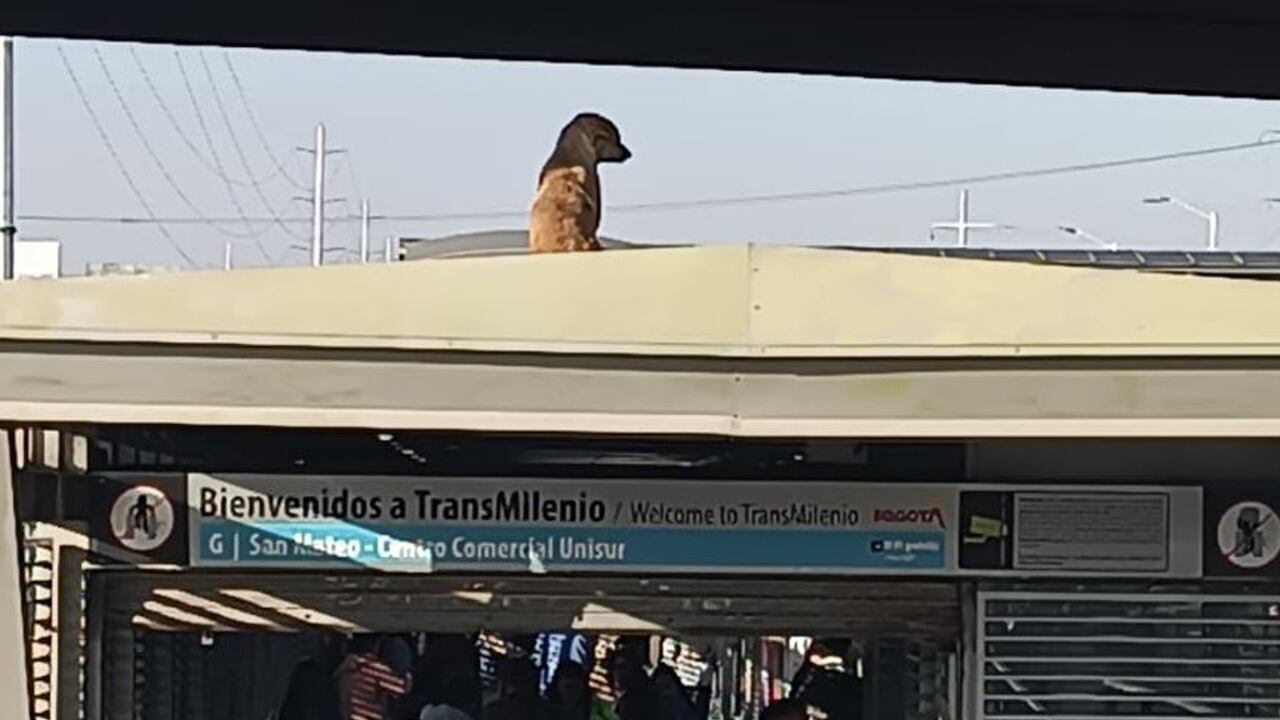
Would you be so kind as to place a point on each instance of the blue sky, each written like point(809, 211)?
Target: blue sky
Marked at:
point(427, 136)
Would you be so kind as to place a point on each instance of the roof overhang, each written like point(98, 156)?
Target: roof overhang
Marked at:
point(741, 340)
point(1174, 46)
point(292, 602)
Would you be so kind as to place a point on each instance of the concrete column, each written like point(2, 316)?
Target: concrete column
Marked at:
point(15, 699)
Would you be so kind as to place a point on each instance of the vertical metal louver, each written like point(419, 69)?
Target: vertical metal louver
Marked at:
point(38, 578)
point(187, 676)
point(192, 655)
point(77, 695)
point(120, 665)
point(931, 696)
point(1152, 655)
point(158, 680)
point(908, 680)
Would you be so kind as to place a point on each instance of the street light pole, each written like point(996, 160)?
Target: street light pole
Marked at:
point(8, 231)
point(1210, 216)
point(364, 230)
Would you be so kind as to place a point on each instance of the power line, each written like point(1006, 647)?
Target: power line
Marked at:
point(945, 183)
point(213, 150)
point(151, 151)
point(253, 122)
point(766, 198)
point(124, 171)
point(351, 174)
point(180, 130)
point(352, 180)
point(140, 220)
point(345, 200)
point(244, 162)
point(870, 189)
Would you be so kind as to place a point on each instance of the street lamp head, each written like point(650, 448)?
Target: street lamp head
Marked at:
point(1078, 232)
point(1156, 200)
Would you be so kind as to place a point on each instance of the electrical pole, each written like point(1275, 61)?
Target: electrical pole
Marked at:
point(317, 201)
point(961, 224)
point(364, 230)
point(226, 256)
point(386, 251)
point(7, 228)
point(317, 198)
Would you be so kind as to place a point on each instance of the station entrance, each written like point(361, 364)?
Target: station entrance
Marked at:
point(924, 576)
point(735, 646)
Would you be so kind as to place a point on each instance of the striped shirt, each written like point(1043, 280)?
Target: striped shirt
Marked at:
point(366, 686)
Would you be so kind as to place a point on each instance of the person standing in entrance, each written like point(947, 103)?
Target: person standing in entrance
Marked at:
point(636, 697)
point(569, 695)
point(311, 693)
point(824, 683)
point(372, 677)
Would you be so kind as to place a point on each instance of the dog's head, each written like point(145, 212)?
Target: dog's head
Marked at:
point(601, 135)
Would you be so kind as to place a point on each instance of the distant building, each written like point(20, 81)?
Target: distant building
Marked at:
point(114, 268)
point(37, 258)
point(488, 242)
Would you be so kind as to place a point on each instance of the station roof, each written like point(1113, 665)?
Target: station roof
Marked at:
point(731, 341)
point(1255, 264)
point(725, 301)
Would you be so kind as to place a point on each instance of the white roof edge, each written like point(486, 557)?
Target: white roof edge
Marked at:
point(724, 301)
point(376, 343)
point(609, 423)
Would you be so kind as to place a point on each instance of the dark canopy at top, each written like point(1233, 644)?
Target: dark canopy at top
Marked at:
point(1182, 46)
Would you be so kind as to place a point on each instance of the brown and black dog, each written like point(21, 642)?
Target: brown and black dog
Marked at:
point(566, 211)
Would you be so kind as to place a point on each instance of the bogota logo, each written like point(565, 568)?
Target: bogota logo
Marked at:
point(142, 518)
point(911, 516)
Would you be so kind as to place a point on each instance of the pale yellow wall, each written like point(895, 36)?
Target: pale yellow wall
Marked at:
point(733, 300)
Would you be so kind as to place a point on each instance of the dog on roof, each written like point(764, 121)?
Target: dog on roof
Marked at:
point(566, 211)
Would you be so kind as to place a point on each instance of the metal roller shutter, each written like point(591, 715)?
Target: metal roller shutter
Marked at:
point(1146, 653)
